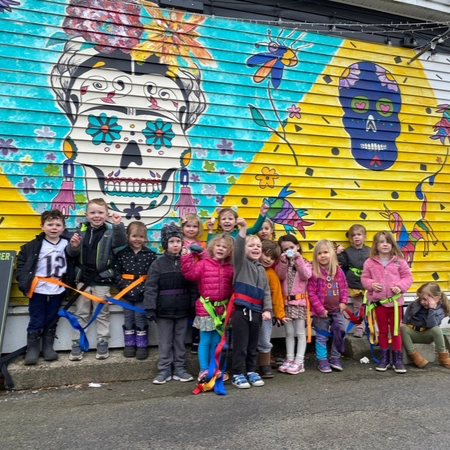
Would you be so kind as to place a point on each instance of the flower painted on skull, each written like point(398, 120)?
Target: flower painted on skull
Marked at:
point(109, 24)
point(159, 134)
point(103, 129)
point(7, 146)
point(386, 78)
point(172, 38)
point(267, 178)
point(349, 76)
point(133, 211)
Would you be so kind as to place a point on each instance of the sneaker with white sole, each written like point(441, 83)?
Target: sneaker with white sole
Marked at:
point(76, 354)
point(284, 367)
point(240, 382)
point(162, 377)
point(335, 363)
point(102, 350)
point(295, 368)
point(255, 379)
point(181, 374)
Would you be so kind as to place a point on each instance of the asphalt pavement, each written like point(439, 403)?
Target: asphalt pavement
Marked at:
point(358, 408)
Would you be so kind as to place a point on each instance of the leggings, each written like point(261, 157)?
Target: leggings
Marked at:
point(206, 347)
point(295, 329)
point(385, 319)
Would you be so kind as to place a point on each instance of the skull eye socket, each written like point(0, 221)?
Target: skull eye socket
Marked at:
point(384, 107)
point(360, 104)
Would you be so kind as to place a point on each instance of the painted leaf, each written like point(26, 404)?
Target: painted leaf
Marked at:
point(258, 117)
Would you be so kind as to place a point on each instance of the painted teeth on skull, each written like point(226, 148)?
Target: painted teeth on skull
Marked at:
point(128, 186)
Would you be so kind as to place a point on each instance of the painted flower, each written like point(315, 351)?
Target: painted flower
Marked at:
point(110, 24)
point(7, 146)
point(103, 129)
point(172, 38)
point(442, 128)
point(52, 170)
point(133, 211)
point(26, 161)
point(294, 111)
point(225, 147)
point(5, 5)
point(48, 186)
point(349, 76)
point(200, 152)
point(194, 178)
point(239, 162)
point(209, 190)
point(222, 172)
point(50, 156)
point(159, 133)
point(386, 78)
point(45, 133)
point(27, 185)
point(220, 199)
point(267, 178)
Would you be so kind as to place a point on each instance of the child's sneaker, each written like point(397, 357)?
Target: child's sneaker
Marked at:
point(76, 354)
point(295, 368)
point(284, 367)
point(102, 350)
point(181, 374)
point(255, 379)
point(359, 332)
point(202, 375)
point(336, 364)
point(162, 377)
point(240, 382)
point(323, 366)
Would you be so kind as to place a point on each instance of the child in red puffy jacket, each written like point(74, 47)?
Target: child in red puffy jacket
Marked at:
point(214, 277)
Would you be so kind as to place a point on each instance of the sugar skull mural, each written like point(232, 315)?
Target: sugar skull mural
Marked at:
point(129, 124)
point(370, 98)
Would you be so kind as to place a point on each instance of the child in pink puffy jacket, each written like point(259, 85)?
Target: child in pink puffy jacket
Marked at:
point(214, 277)
point(386, 276)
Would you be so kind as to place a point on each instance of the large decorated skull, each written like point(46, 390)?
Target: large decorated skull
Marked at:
point(371, 101)
point(129, 125)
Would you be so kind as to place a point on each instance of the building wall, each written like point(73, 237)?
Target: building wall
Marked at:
point(163, 113)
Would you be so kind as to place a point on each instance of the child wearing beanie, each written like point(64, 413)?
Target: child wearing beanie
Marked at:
point(169, 299)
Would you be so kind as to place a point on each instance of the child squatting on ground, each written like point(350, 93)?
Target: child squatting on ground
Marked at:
point(252, 305)
point(214, 277)
point(132, 263)
point(169, 299)
point(327, 292)
point(294, 272)
point(421, 324)
point(92, 245)
point(386, 276)
point(352, 260)
point(43, 257)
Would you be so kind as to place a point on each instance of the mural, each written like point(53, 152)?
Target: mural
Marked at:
point(165, 112)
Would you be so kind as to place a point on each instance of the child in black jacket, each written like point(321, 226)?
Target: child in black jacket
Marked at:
point(169, 299)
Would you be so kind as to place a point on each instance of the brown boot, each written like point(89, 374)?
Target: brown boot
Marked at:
point(417, 359)
point(444, 360)
point(265, 369)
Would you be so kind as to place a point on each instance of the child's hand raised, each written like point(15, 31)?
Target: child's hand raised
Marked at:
point(210, 224)
point(184, 251)
point(75, 240)
point(117, 218)
point(264, 208)
point(241, 222)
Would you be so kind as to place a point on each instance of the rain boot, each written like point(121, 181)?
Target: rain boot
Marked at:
point(444, 360)
point(33, 348)
point(384, 360)
point(142, 343)
point(129, 338)
point(48, 339)
point(417, 359)
point(397, 358)
point(265, 369)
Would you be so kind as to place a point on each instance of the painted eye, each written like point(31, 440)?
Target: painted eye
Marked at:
point(98, 83)
point(273, 47)
point(384, 107)
point(122, 83)
point(360, 104)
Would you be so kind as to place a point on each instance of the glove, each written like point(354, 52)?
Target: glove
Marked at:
point(195, 248)
point(150, 314)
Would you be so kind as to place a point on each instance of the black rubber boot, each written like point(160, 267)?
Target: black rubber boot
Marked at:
point(33, 348)
point(48, 339)
point(142, 343)
point(129, 339)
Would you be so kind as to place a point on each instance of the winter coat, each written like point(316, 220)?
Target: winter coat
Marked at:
point(419, 316)
point(131, 263)
point(395, 273)
point(302, 274)
point(27, 260)
point(316, 291)
point(353, 258)
point(214, 280)
point(113, 237)
point(275, 293)
point(167, 292)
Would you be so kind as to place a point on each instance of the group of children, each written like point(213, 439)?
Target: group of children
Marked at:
point(267, 282)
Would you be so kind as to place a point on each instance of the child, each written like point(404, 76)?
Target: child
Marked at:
point(132, 262)
point(214, 275)
point(228, 221)
point(328, 295)
point(421, 323)
point(352, 261)
point(386, 276)
point(168, 300)
point(252, 304)
point(294, 273)
point(269, 256)
point(43, 257)
point(92, 245)
point(267, 231)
